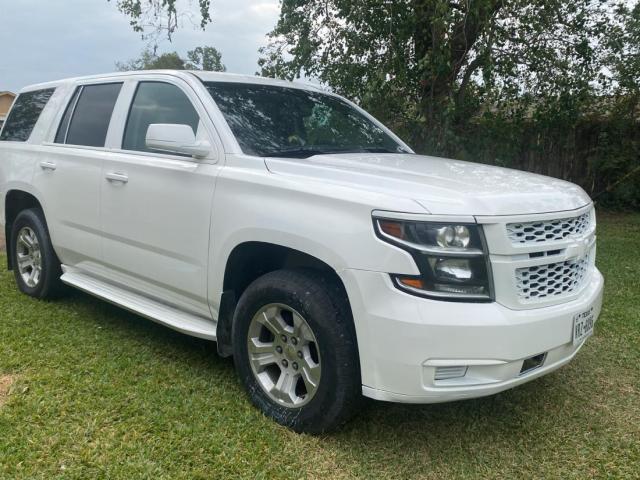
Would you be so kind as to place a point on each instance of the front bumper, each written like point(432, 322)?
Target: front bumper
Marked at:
point(402, 339)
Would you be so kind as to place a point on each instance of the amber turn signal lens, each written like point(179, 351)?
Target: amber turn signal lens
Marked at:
point(395, 229)
point(412, 282)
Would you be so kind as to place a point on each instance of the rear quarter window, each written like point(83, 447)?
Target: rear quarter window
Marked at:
point(24, 115)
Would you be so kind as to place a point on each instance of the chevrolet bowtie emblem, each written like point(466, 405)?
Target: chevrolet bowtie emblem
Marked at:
point(578, 249)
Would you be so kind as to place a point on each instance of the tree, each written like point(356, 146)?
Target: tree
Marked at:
point(618, 159)
point(149, 60)
point(206, 58)
point(200, 58)
point(624, 55)
point(429, 66)
point(160, 17)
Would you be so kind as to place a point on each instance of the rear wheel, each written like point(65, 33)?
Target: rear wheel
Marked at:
point(35, 265)
point(295, 350)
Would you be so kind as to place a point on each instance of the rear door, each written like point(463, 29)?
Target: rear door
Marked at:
point(156, 208)
point(69, 171)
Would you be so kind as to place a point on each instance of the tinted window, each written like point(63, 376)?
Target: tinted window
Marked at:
point(92, 114)
point(156, 102)
point(280, 121)
point(24, 115)
point(64, 124)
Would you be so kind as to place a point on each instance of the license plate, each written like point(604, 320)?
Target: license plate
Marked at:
point(583, 326)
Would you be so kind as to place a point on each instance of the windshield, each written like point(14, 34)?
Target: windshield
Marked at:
point(273, 121)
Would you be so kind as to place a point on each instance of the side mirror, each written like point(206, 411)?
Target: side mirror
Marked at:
point(174, 138)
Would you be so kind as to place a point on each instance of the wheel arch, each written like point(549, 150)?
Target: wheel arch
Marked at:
point(15, 201)
point(250, 260)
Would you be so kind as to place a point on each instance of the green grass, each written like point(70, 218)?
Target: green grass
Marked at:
point(95, 392)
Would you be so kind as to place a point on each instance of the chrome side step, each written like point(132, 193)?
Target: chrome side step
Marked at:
point(171, 317)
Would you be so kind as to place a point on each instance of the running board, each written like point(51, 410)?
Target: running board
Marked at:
point(171, 317)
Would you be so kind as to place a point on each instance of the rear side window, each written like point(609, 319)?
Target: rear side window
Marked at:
point(24, 115)
point(156, 102)
point(88, 114)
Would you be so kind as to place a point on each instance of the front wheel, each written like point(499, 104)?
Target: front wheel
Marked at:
point(295, 350)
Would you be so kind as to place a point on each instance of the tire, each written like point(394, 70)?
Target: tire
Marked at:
point(30, 228)
point(334, 366)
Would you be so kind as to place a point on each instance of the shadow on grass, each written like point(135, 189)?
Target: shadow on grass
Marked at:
point(163, 340)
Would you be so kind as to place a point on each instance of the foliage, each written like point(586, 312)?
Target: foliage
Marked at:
point(200, 58)
point(149, 60)
point(624, 54)
point(206, 58)
point(458, 77)
point(434, 53)
point(153, 18)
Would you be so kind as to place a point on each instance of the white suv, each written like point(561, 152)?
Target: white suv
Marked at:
point(302, 235)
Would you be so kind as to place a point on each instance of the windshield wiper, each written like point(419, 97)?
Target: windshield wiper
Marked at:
point(382, 150)
point(298, 152)
point(306, 152)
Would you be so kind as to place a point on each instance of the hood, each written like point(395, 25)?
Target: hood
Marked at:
point(442, 186)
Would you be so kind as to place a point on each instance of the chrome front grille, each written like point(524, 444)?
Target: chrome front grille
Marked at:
point(541, 282)
point(531, 233)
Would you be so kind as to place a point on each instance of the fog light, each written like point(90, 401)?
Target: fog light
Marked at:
point(445, 373)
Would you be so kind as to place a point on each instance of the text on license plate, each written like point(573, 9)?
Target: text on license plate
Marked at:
point(583, 325)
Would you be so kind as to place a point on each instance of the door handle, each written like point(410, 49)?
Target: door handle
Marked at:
point(47, 165)
point(117, 177)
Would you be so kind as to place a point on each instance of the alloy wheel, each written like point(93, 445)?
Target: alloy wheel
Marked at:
point(284, 355)
point(29, 257)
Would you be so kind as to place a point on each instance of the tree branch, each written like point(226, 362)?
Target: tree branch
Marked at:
point(471, 68)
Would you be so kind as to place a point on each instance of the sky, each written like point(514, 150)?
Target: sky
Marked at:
point(43, 40)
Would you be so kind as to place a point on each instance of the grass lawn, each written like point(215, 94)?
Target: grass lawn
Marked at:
point(90, 391)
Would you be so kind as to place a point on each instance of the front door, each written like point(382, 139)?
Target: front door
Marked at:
point(156, 208)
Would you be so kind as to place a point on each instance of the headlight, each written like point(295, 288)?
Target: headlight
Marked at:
point(452, 258)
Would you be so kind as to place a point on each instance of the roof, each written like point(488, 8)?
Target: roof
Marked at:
point(6, 92)
point(202, 75)
point(206, 76)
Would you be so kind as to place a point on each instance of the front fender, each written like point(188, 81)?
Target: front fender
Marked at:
point(330, 223)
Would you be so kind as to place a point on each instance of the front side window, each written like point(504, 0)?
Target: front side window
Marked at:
point(86, 120)
point(156, 102)
point(24, 115)
point(281, 121)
